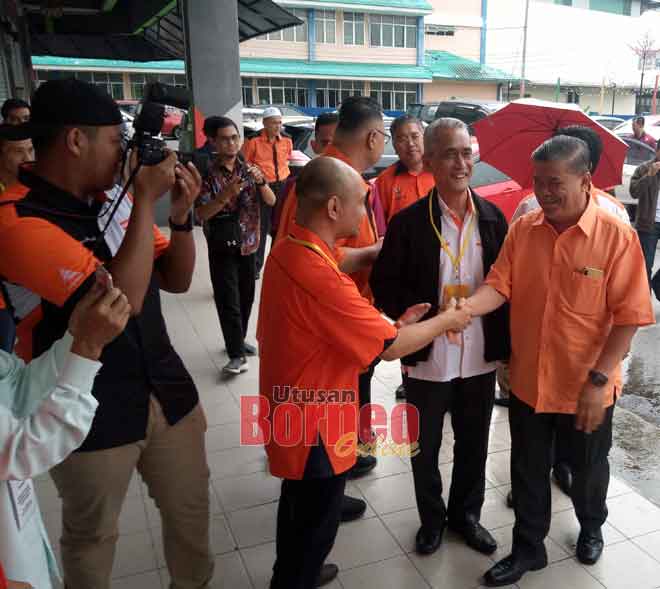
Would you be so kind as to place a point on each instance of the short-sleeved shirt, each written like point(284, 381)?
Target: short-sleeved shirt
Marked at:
point(398, 188)
point(50, 250)
point(271, 156)
point(245, 206)
point(317, 334)
point(566, 292)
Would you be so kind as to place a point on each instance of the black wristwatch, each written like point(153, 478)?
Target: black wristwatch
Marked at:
point(186, 227)
point(598, 379)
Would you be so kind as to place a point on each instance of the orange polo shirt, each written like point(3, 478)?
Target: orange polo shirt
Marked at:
point(560, 316)
point(266, 154)
point(366, 237)
point(317, 334)
point(398, 188)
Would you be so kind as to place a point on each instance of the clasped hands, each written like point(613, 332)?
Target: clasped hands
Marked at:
point(460, 313)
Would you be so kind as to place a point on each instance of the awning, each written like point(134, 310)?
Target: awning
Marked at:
point(148, 30)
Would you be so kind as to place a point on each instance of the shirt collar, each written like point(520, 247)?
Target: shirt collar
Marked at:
point(57, 198)
point(304, 234)
point(446, 210)
point(264, 134)
point(332, 151)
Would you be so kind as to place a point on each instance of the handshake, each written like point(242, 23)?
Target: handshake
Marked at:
point(454, 318)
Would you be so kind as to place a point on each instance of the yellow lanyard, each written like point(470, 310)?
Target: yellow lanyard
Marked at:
point(455, 260)
point(312, 246)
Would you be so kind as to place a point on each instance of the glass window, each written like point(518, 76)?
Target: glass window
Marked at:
point(280, 91)
point(353, 28)
point(392, 31)
point(297, 34)
point(246, 90)
point(330, 93)
point(397, 96)
point(325, 26)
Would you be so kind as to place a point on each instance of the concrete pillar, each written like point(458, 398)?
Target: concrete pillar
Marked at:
point(420, 40)
point(311, 93)
point(212, 60)
point(311, 34)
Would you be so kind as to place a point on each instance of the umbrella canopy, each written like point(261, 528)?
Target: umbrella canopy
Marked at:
point(508, 137)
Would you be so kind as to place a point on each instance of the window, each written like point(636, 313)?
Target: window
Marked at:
point(297, 34)
point(638, 152)
point(394, 95)
point(330, 93)
point(440, 30)
point(392, 31)
point(139, 81)
point(279, 91)
point(615, 6)
point(325, 26)
point(246, 90)
point(111, 82)
point(353, 28)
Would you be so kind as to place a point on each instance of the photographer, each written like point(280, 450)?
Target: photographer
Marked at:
point(149, 418)
point(230, 206)
point(46, 410)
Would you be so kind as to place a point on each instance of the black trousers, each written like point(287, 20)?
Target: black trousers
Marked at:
point(307, 523)
point(470, 401)
point(364, 394)
point(233, 279)
point(532, 437)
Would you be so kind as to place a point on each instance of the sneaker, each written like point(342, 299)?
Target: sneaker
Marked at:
point(249, 350)
point(235, 366)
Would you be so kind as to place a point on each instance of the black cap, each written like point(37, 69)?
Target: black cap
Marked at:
point(71, 102)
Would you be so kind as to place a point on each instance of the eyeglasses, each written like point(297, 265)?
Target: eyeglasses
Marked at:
point(386, 136)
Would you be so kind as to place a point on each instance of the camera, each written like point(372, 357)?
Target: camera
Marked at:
point(151, 150)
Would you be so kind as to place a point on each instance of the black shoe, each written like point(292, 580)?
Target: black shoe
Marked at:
point(501, 401)
point(509, 499)
point(352, 508)
point(400, 392)
point(563, 477)
point(249, 350)
point(427, 542)
point(510, 570)
point(475, 536)
point(327, 575)
point(257, 276)
point(589, 547)
point(235, 366)
point(364, 465)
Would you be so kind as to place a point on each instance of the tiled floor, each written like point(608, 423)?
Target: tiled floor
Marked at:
point(376, 551)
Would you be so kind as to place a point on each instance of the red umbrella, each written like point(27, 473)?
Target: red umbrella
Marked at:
point(508, 137)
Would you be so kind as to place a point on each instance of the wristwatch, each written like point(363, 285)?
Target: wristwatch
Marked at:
point(598, 379)
point(187, 227)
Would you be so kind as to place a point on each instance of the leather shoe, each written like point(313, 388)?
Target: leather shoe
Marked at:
point(475, 536)
point(563, 477)
point(352, 508)
point(510, 570)
point(364, 465)
point(428, 541)
point(327, 575)
point(589, 547)
point(509, 499)
point(400, 392)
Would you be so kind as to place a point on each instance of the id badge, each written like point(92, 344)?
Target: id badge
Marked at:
point(455, 291)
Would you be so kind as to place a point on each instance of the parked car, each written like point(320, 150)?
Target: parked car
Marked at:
point(638, 153)
point(468, 111)
point(253, 115)
point(172, 123)
point(651, 126)
point(129, 106)
point(608, 122)
point(496, 187)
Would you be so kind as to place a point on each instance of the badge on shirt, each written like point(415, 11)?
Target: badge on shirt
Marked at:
point(23, 500)
point(455, 291)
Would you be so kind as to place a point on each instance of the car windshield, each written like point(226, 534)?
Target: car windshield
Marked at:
point(484, 174)
point(638, 153)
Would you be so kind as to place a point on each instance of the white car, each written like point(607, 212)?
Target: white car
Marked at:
point(638, 153)
point(608, 122)
point(651, 126)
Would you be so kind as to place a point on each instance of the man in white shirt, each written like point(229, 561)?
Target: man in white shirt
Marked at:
point(442, 247)
point(46, 410)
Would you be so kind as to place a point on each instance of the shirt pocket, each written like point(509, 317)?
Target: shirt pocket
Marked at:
point(583, 294)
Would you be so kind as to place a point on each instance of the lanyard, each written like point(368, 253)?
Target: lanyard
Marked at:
point(315, 248)
point(455, 260)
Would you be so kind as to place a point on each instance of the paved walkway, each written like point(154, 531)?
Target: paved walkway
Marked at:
point(375, 552)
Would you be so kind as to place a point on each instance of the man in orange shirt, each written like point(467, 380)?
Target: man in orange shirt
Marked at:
point(359, 141)
point(406, 181)
point(271, 151)
point(317, 333)
point(575, 278)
